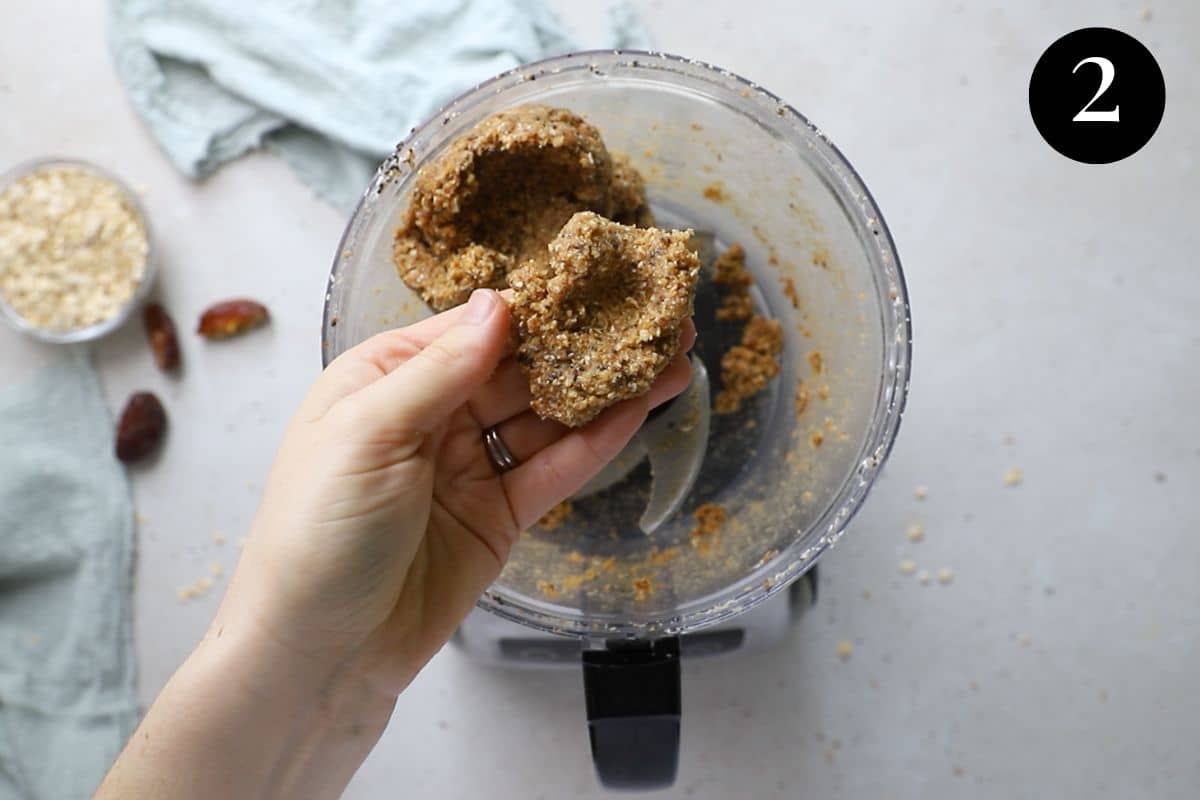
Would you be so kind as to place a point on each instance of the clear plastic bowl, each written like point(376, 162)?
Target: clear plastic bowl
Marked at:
point(725, 156)
point(100, 329)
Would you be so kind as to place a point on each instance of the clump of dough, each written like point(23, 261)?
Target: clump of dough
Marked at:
point(747, 368)
point(601, 317)
point(497, 196)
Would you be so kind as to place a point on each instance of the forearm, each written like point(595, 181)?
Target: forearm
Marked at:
point(246, 718)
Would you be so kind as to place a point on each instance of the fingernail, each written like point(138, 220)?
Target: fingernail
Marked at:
point(480, 306)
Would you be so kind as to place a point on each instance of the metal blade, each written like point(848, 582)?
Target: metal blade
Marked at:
point(675, 442)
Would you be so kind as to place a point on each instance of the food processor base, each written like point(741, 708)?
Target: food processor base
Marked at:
point(491, 640)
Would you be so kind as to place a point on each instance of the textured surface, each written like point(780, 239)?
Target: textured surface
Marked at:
point(499, 193)
point(601, 317)
point(1053, 303)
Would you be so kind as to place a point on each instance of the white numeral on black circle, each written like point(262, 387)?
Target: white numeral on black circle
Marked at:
point(1107, 73)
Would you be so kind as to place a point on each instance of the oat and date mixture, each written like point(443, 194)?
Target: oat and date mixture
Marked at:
point(531, 199)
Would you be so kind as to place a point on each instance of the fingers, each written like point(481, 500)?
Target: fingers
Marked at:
point(381, 354)
point(687, 336)
point(505, 395)
point(557, 461)
point(422, 391)
point(559, 470)
point(671, 381)
point(527, 433)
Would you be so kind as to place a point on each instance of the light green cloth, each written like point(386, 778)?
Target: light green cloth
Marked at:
point(331, 85)
point(68, 697)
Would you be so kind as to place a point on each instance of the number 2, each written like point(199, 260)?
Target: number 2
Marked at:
point(1107, 73)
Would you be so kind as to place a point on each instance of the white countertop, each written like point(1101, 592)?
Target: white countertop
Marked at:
point(1056, 330)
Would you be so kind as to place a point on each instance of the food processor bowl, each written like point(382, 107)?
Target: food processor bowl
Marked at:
point(787, 470)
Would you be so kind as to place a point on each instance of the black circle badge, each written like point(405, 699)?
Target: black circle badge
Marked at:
point(1097, 95)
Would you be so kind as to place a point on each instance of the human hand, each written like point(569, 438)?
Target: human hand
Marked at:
point(383, 519)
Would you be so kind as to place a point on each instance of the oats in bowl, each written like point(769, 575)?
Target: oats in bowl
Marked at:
point(74, 251)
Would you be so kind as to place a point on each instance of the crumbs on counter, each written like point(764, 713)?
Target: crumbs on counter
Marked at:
point(218, 538)
point(1024, 640)
point(555, 517)
point(1013, 477)
point(945, 575)
point(923, 577)
point(908, 566)
point(197, 588)
point(921, 492)
point(915, 531)
point(844, 650)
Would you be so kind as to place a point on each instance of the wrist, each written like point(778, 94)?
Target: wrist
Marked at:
point(318, 715)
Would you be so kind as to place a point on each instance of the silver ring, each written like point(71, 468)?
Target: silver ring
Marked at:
point(497, 451)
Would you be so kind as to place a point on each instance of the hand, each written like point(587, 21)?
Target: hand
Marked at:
point(383, 519)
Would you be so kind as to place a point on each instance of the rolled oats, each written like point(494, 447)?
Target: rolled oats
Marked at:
point(73, 249)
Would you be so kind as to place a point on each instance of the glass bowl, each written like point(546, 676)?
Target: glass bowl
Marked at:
point(725, 157)
point(149, 274)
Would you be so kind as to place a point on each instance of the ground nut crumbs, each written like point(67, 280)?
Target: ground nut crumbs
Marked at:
point(710, 518)
point(789, 291)
point(746, 369)
point(73, 250)
point(801, 399)
point(555, 516)
point(731, 274)
point(642, 588)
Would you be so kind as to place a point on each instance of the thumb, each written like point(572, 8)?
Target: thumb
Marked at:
point(423, 391)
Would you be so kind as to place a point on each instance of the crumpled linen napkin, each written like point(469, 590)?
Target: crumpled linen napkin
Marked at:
point(330, 85)
point(68, 694)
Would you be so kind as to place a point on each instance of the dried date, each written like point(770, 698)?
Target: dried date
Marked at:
point(160, 332)
point(231, 318)
point(141, 428)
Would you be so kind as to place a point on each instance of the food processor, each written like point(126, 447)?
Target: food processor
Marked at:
point(632, 578)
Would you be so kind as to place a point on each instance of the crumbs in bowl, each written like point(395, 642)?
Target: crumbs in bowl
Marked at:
point(73, 248)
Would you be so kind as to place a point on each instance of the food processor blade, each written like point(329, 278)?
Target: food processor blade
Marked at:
point(675, 442)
